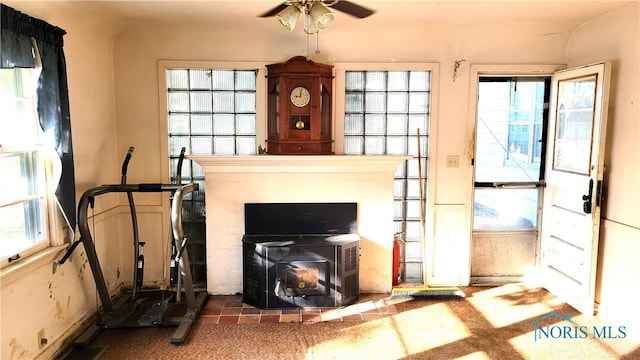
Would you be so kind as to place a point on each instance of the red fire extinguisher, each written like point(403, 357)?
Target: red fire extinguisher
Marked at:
point(397, 248)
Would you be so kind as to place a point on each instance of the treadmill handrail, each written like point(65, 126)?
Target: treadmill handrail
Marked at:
point(85, 233)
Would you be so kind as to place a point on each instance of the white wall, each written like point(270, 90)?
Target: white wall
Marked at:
point(140, 46)
point(57, 298)
point(616, 37)
point(114, 104)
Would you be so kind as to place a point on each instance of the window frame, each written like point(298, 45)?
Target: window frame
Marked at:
point(429, 171)
point(40, 161)
point(476, 71)
point(261, 95)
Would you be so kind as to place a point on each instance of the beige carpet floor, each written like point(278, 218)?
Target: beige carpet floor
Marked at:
point(491, 323)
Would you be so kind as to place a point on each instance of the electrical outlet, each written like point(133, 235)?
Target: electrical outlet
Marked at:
point(453, 161)
point(42, 340)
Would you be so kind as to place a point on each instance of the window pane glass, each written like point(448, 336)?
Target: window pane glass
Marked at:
point(200, 79)
point(246, 80)
point(201, 124)
point(177, 79)
point(223, 79)
point(413, 208)
point(574, 127)
point(398, 188)
point(246, 145)
point(418, 122)
point(354, 103)
point(178, 101)
point(17, 232)
point(398, 210)
point(412, 167)
point(223, 101)
point(398, 80)
point(397, 102)
point(200, 101)
point(201, 145)
point(413, 230)
point(22, 224)
point(413, 145)
point(354, 80)
point(508, 130)
point(397, 124)
point(13, 178)
point(419, 81)
point(413, 188)
point(374, 145)
point(505, 209)
point(246, 125)
point(375, 80)
point(354, 125)
point(375, 102)
point(396, 145)
point(176, 143)
point(419, 102)
point(354, 145)
point(375, 124)
point(179, 123)
point(223, 124)
point(224, 145)
point(245, 102)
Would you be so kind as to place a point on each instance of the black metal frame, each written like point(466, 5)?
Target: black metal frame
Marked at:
point(117, 314)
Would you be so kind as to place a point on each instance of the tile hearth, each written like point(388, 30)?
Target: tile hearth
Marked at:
point(229, 309)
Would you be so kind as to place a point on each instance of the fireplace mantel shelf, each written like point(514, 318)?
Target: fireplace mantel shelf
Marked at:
point(298, 163)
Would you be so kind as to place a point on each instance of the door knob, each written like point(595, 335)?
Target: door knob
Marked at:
point(587, 199)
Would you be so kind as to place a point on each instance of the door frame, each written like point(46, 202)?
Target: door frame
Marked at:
point(475, 71)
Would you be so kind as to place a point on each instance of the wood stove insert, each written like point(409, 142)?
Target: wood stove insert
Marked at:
point(299, 255)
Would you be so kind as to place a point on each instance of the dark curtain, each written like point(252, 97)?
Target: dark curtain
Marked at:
point(52, 93)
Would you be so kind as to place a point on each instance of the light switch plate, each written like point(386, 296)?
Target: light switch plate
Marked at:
point(453, 161)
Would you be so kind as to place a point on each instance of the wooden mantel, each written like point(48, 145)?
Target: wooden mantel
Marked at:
point(298, 163)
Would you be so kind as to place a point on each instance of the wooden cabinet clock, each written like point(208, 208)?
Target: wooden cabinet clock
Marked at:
point(299, 108)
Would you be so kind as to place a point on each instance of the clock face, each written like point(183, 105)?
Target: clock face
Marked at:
point(300, 96)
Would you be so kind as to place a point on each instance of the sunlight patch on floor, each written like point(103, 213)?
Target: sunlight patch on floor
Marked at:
point(505, 305)
point(557, 348)
point(478, 355)
point(395, 336)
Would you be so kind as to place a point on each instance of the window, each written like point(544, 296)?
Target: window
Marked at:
point(383, 112)
point(210, 111)
point(23, 199)
point(509, 146)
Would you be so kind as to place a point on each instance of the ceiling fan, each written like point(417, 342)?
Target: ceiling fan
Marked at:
point(318, 16)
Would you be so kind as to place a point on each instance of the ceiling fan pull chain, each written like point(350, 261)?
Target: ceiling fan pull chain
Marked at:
point(308, 55)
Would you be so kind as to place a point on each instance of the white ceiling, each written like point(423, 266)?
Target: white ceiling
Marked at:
point(388, 12)
point(435, 10)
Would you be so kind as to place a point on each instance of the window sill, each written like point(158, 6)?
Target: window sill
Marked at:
point(16, 271)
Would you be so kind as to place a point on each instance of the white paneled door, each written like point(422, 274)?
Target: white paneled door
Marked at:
point(574, 174)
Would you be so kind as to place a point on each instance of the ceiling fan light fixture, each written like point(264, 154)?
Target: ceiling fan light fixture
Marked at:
point(288, 17)
point(321, 16)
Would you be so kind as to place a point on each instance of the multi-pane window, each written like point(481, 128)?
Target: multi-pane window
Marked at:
point(23, 196)
point(384, 112)
point(210, 111)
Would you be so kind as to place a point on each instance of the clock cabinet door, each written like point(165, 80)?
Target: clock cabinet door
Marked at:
point(302, 121)
point(274, 108)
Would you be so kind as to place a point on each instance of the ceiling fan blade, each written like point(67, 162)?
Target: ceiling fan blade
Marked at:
point(274, 11)
point(353, 9)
